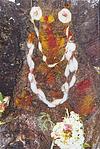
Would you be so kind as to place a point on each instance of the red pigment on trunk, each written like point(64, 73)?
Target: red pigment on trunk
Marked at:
point(51, 39)
point(83, 85)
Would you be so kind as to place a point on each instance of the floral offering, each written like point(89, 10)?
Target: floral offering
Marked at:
point(69, 134)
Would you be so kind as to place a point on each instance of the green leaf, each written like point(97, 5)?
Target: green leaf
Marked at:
point(86, 145)
point(1, 97)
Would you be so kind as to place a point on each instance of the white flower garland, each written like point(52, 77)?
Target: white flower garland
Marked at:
point(69, 134)
point(71, 67)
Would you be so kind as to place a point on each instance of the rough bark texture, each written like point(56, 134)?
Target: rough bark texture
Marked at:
point(23, 131)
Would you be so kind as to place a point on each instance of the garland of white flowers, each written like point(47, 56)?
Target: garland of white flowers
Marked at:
point(69, 134)
point(71, 67)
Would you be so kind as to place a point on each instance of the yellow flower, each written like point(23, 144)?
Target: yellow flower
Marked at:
point(48, 19)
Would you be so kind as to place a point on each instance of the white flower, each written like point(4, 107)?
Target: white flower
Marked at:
point(64, 15)
point(36, 13)
point(69, 134)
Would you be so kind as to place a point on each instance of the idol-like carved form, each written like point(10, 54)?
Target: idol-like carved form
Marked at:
point(50, 53)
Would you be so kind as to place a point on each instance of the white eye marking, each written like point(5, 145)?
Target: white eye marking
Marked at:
point(35, 13)
point(64, 15)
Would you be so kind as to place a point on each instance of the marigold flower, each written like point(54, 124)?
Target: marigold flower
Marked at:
point(48, 19)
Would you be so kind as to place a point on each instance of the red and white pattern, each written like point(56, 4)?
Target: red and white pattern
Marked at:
point(71, 67)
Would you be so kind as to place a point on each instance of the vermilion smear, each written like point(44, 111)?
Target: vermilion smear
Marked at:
point(52, 42)
point(85, 105)
point(83, 85)
point(51, 39)
point(31, 37)
point(51, 79)
point(56, 94)
point(46, 18)
point(25, 98)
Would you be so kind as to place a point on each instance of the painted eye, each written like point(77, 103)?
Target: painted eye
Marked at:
point(36, 13)
point(64, 15)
